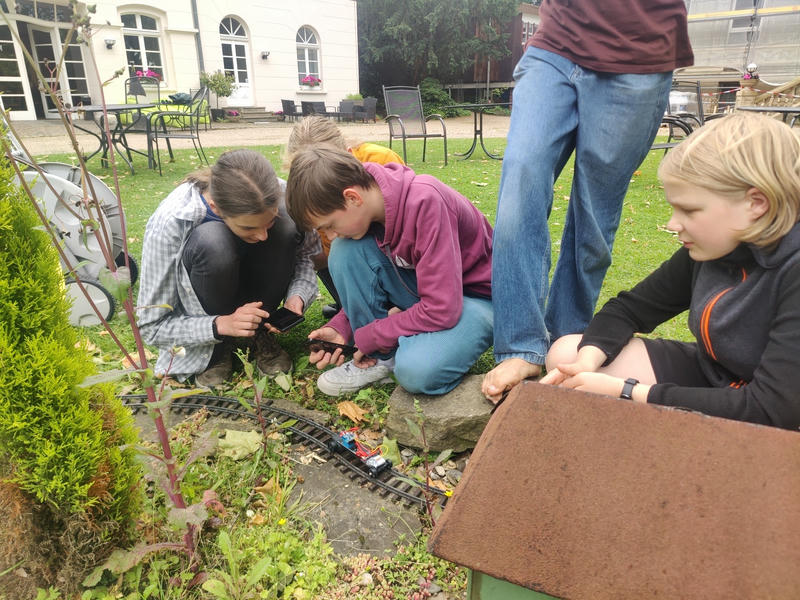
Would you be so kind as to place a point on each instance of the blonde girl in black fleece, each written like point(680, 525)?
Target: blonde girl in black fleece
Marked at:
point(734, 187)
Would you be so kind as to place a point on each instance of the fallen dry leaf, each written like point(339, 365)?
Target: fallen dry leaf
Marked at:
point(126, 364)
point(211, 500)
point(436, 484)
point(352, 411)
point(270, 488)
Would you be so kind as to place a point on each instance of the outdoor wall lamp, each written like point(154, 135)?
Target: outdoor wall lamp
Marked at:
point(265, 54)
point(110, 43)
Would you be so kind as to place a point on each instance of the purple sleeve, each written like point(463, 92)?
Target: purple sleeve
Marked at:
point(436, 255)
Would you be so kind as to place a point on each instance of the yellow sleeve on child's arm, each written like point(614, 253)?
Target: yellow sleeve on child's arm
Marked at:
point(368, 152)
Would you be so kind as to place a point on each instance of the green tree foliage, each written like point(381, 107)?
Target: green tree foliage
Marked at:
point(59, 444)
point(402, 43)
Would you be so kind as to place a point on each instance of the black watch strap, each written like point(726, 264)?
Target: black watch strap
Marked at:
point(627, 388)
point(214, 329)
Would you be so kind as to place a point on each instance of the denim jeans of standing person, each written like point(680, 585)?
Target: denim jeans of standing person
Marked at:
point(609, 120)
point(425, 363)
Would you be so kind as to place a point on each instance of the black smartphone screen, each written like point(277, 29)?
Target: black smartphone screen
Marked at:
point(283, 319)
point(317, 345)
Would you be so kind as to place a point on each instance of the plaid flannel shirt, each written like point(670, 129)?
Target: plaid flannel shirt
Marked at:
point(169, 312)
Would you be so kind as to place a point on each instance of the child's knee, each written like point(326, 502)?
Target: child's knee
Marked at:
point(421, 377)
point(563, 350)
point(345, 251)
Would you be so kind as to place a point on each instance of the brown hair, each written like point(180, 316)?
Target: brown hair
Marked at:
point(738, 152)
point(241, 182)
point(317, 178)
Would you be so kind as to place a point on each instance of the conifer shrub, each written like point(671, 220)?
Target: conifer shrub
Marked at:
point(67, 487)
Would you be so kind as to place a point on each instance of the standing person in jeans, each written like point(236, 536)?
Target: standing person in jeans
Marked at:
point(220, 253)
point(595, 81)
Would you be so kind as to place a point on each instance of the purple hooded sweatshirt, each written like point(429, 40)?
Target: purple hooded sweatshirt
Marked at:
point(436, 231)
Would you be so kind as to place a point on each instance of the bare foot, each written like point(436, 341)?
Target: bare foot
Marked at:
point(506, 375)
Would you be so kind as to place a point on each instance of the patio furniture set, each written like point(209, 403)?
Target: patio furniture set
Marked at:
point(348, 110)
point(145, 113)
point(685, 112)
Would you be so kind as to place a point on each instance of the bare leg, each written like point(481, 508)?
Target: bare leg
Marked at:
point(632, 361)
point(506, 375)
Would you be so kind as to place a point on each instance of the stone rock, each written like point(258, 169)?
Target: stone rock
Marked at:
point(452, 421)
point(453, 476)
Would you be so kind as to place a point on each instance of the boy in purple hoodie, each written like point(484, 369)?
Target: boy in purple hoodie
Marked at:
point(411, 258)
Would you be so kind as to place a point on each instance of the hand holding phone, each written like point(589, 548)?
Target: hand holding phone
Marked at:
point(317, 345)
point(284, 319)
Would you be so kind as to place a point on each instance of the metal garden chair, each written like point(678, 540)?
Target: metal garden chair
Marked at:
point(407, 120)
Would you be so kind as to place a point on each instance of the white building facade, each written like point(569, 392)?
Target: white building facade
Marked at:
point(268, 46)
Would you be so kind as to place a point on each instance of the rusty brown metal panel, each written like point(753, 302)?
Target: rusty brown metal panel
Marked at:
point(584, 496)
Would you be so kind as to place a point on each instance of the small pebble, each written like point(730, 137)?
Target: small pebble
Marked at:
point(453, 476)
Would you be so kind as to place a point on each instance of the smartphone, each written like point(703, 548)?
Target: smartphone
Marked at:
point(317, 345)
point(283, 319)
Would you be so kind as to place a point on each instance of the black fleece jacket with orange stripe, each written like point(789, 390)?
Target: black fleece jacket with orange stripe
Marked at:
point(744, 311)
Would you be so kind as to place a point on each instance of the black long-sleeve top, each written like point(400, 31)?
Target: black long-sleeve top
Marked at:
point(744, 311)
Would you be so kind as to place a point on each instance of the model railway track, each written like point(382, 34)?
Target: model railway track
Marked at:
point(388, 483)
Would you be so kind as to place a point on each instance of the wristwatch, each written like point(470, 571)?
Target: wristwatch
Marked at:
point(627, 388)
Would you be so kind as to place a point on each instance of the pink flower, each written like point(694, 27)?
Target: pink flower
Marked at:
point(311, 80)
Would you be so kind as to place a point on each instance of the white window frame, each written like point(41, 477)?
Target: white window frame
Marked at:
point(140, 33)
point(234, 38)
point(305, 45)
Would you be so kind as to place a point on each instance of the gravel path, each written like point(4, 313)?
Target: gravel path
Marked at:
point(42, 137)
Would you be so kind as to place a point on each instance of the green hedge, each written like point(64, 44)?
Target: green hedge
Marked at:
point(59, 443)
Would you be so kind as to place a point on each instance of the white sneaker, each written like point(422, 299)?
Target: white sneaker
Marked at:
point(350, 378)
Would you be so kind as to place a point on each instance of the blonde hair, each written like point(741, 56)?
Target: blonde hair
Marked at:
point(742, 151)
point(317, 179)
point(313, 130)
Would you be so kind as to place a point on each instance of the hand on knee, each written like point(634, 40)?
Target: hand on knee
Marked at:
point(565, 360)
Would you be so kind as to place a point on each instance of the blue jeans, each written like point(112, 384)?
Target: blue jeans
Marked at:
point(609, 120)
point(425, 363)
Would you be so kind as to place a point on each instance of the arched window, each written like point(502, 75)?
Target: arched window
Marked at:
point(307, 54)
point(234, 49)
point(142, 44)
point(231, 27)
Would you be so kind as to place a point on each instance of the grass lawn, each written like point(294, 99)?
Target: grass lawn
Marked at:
point(642, 244)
